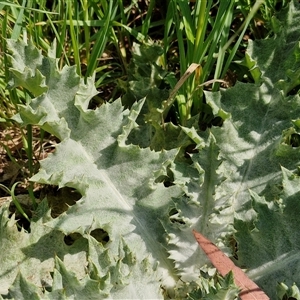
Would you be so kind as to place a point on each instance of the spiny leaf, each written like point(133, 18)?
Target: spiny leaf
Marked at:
point(268, 244)
point(283, 73)
point(123, 196)
point(117, 181)
point(249, 290)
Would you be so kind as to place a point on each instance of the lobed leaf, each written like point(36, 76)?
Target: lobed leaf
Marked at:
point(240, 184)
point(277, 58)
point(117, 182)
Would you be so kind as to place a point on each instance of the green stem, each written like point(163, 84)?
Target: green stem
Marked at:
point(15, 200)
point(29, 152)
point(86, 30)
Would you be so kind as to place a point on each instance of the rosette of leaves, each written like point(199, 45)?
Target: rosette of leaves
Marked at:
point(240, 189)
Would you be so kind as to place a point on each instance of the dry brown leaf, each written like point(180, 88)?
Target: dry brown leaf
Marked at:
point(249, 289)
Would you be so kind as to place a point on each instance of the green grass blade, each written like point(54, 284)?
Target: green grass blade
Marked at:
point(241, 31)
point(101, 39)
point(61, 36)
point(18, 25)
point(185, 11)
point(211, 46)
point(223, 39)
point(168, 25)
point(24, 7)
point(140, 37)
point(201, 21)
point(86, 29)
point(15, 200)
point(201, 24)
point(147, 21)
point(74, 38)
